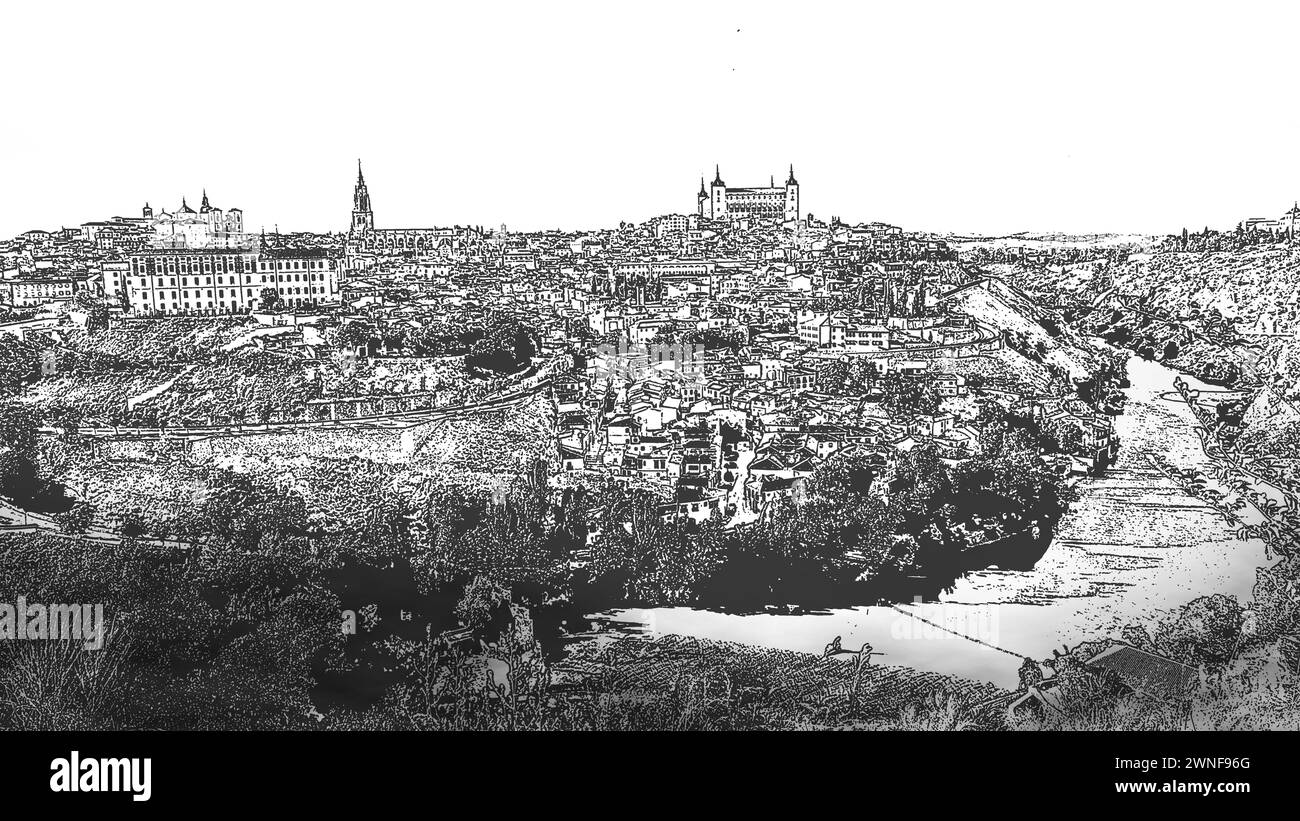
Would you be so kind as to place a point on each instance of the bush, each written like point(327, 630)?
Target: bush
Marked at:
point(76, 520)
point(1205, 631)
point(1276, 610)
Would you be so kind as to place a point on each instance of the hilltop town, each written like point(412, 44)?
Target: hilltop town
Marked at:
point(482, 376)
point(475, 441)
point(713, 359)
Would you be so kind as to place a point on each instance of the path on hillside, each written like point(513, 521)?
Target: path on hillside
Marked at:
point(396, 419)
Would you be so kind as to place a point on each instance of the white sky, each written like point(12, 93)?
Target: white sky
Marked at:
point(969, 117)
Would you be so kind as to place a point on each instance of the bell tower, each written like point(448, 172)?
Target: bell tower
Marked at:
point(791, 197)
point(363, 219)
point(717, 196)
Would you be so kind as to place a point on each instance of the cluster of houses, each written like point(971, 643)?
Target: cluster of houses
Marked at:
point(701, 348)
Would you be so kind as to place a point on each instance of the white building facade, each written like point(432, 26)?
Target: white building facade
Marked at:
point(223, 281)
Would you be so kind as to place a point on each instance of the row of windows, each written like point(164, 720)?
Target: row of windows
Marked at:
point(248, 280)
point(234, 293)
point(221, 264)
point(668, 269)
point(152, 265)
point(42, 288)
point(291, 265)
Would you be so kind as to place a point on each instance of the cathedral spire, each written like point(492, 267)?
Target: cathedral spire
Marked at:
point(792, 180)
point(363, 219)
point(717, 176)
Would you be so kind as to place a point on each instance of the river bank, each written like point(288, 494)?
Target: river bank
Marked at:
point(671, 682)
point(1133, 548)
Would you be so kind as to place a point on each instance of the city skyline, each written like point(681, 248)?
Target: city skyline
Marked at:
point(1117, 122)
point(272, 224)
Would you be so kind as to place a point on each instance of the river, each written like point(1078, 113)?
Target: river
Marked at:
point(1133, 548)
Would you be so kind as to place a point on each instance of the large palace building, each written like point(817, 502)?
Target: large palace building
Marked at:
point(196, 281)
point(770, 204)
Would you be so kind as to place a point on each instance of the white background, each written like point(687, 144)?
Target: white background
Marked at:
point(967, 117)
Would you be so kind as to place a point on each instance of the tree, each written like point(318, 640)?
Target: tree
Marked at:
point(1031, 674)
point(19, 364)
point(19, 477)
point(903, 395)
point(132, 525)
point(18, 426)
point(506, 346)
point(1068, 438)
point(485, 608)
point(76, 520)
point(271, 300)
point(832, 375)
point(353, 335)
point(641, 557)
point(1137, 636)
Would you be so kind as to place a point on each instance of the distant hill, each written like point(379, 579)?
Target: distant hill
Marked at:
point(1050, 242)
point(1230, 316)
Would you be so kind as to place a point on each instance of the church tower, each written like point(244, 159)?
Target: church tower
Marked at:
point(363, 219)
point(791, 197)
point(702, 200)
point(718, 196)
